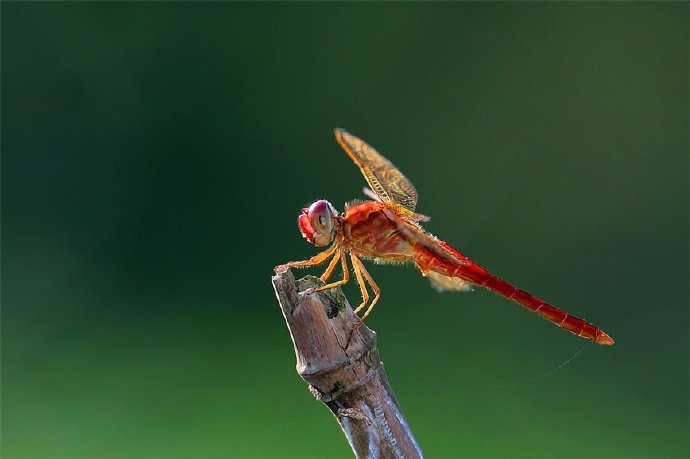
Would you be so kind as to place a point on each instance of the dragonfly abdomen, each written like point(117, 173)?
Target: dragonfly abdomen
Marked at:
point(551, 313)
point(460, 266)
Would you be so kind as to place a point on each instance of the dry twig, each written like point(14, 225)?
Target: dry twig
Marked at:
point(350, 380)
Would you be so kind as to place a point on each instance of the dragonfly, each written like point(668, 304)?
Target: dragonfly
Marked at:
point(387, 229)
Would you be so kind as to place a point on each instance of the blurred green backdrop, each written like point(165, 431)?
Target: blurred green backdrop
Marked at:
point(155, 158)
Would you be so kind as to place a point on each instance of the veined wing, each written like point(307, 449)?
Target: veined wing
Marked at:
point(389, 184)
point(442, 283)
point(428, 251)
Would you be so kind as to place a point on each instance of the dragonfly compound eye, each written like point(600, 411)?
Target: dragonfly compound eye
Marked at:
point(320, 223)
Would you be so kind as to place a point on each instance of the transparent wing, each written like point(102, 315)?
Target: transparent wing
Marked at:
point(389, 184)
point(442, 283)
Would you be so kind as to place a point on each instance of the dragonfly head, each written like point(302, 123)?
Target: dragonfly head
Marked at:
point(318, 223)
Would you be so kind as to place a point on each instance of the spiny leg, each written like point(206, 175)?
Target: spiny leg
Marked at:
point(346, 275)
point(331, 266)
point(360, 271)
point(377, 291)
point(362, 285)
point(313, 261)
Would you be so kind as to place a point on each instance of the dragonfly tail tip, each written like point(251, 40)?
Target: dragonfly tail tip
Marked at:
point(602, 338)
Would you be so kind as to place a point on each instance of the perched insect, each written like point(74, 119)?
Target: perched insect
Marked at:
point(387, 230)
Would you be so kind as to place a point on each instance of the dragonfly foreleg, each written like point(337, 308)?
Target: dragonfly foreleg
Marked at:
point(313, 261)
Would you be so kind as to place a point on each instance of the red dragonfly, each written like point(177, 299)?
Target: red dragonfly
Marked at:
point(387, 230)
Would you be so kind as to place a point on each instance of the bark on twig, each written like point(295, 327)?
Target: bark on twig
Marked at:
point(349, 380)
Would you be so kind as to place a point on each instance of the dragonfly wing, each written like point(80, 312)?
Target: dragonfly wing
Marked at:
point(442, 283)
point(429, 250)
point(370, 194)
point(385, 180)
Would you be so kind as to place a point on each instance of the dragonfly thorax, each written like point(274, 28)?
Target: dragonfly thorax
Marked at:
point(318, 223)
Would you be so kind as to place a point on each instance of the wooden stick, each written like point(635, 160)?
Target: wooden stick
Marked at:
point(350, 380)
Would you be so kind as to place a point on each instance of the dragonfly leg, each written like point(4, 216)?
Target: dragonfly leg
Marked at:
point(313, 261)
point(346, 273)
point(360, 282)
point(331, 266)
point(362, 273)
point(372, 283)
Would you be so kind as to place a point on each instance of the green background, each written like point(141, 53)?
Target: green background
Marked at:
point(155, 158)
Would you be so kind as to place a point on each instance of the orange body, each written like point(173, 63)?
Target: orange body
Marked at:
point(371, 230)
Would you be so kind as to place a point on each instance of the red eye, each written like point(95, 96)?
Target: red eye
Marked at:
point(320, 216)
point(317, 223)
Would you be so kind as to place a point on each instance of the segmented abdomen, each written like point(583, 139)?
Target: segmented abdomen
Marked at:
point(455, 264)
